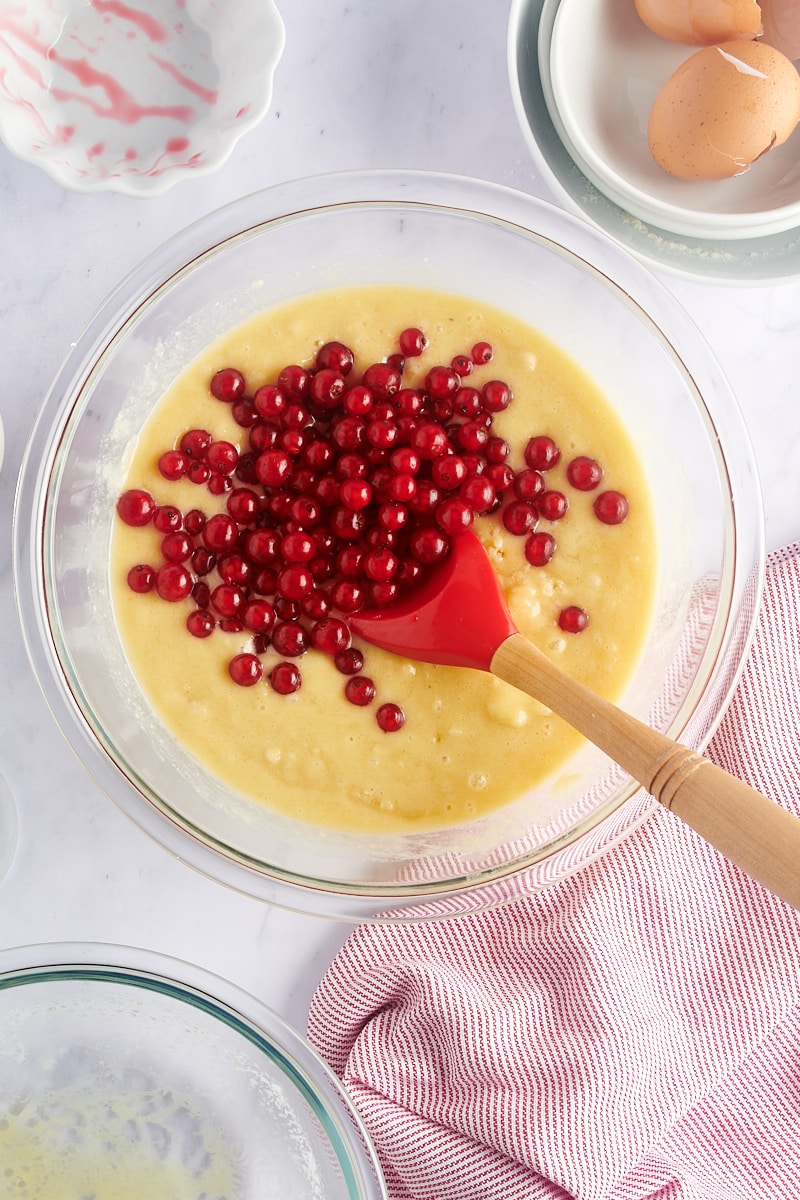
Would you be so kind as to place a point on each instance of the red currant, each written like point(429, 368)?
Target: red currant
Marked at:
point(295, 381)
point(349, 661)
point(360, 690)
point(449, 471)
point(390, 718)
point(315, 604)
point(198, 472)
point(235, 568)
point(243, 505)
point(220, 532)
point(173, 464)
point(194, 443)
point(331, 635)
point(227, 385)
point(383, 380)
point(136, 507)
point(541, 453)
point(245, 669)
point(142, 578)
point(611, 508)
point(335, 356)
point(380, 564)
point(200, 623)
point(573, 619)
point(194, 522)
point(428, 544)
point(412, 342)
point(355, 494)
point(462, 365)
point(552, 505)
point(540, 548)
point(479, 493)
point(285, 678)
point(222, 457)
point(519, 518)
point(227, 599)
point(454, 516)
point(347, 595)
point(258, 616)
point(429, 440)
point(176, 547)
point(273, 467)
point(584, 473)
point(290, 639)
point(269, 401)
point(295, 581)
point(173, 582)
point(496, 396)
point(167, 519)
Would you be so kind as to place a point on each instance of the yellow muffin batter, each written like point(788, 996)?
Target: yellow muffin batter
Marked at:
point(470, 742)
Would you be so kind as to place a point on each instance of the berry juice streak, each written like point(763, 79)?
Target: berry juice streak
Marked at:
point(42, 61)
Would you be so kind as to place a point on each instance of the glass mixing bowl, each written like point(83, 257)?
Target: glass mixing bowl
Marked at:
point(461, 236)
point(128, 1073)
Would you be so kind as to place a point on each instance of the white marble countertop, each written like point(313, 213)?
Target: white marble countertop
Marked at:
point(361, 84)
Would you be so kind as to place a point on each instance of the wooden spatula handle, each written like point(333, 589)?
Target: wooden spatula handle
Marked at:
point(752, 831)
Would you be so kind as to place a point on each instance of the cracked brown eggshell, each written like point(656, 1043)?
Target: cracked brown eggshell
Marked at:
point(722, 109)
point(701, 22)
point(780, 21)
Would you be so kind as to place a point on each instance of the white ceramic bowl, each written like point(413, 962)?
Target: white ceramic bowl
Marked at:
point(124, 1072)
point(458, 236)
point(604, 68)
point(739, 261)
point(108, 96)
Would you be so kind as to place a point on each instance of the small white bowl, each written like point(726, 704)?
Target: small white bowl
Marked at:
point(601, 71)
point(109, 96)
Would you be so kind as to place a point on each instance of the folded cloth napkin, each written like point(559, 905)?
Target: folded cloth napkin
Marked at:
point(631, 1032)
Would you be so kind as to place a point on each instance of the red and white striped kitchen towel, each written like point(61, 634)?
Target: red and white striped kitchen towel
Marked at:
point(632, 1032)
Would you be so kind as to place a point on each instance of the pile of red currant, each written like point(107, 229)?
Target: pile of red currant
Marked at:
point(345, 491)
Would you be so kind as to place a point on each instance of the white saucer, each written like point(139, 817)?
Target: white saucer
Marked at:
point(732, 261)
point(605, 69)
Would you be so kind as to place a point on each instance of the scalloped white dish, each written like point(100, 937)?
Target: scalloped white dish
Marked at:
point(605, 70)
point(119, 96)
point(732, 261)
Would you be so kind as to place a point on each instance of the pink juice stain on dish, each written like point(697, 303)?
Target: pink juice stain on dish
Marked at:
point(174, 146)
point(12, 30)
point(149, 26)
point(122, 106)
point(208, 95)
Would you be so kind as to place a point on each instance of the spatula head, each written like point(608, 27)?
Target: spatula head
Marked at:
point(458, 616)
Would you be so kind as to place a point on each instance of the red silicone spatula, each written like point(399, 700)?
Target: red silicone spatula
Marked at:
point(459, 617)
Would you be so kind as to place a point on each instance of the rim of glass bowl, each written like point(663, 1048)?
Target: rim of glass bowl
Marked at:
point(574, 239)
point(232, 1006)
